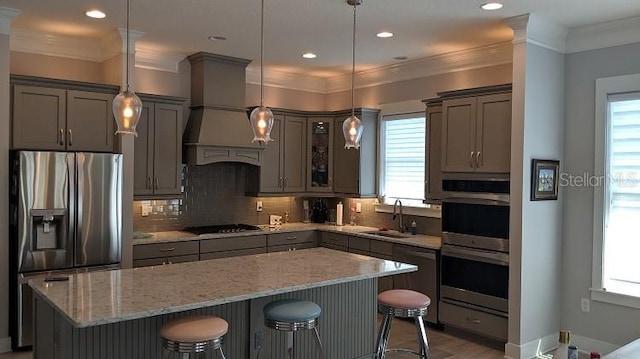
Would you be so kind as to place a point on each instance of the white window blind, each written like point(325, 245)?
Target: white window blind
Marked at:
point(621, 268)
point(403, 158)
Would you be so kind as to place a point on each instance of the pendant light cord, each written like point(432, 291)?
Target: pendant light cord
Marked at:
point(262, 55)
point(353, 63)
point(127, 60)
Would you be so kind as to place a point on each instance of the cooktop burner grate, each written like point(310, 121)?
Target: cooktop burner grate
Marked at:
point(222, 228)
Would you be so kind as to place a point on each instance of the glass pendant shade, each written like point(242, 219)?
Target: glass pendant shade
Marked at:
point(352, 129)
point(261, 119)
point(127, 108)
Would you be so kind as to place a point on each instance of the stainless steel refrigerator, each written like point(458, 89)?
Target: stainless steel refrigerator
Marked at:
point(65, 210)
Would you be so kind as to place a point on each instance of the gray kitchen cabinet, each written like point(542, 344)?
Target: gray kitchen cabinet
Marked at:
point(383, 250)
point(425, 280)
point(433, 155)
point(291, 247)
point(285, 156)
point(232, 253)
point(334, 241)
point(158, 149)
point(360, 245)
point(355, 170)
point(165, 253)
point(286, 238)
point(476, 130)
point(233, 243)
point(62, 119)
point(320, 134)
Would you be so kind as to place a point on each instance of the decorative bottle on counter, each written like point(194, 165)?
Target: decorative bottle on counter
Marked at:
point(414, 228)
point(563, 345)
point(339, 212)
point(572, 352)
point(595, 355)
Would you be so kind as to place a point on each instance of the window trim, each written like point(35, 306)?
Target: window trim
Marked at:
point(605, 87)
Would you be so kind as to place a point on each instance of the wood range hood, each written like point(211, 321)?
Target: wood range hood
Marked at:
point(218, 129)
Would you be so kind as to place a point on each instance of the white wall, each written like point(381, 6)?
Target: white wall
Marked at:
point(609, 323)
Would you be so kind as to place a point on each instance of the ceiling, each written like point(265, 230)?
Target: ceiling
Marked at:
point(422, 28)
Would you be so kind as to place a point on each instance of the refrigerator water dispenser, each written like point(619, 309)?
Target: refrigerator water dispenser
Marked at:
point(49, 229)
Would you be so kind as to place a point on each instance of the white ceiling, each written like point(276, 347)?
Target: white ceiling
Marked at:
point(422, 28)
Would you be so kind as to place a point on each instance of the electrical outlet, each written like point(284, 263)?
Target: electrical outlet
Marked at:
point(358, 207)
point(144, 210)
point(585, 305)
point(259, 206)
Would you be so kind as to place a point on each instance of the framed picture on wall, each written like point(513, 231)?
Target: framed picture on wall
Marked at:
point(544, 179)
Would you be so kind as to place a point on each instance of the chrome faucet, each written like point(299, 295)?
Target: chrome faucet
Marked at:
point(398, 204)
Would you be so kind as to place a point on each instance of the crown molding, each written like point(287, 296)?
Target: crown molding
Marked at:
point(287, 80)
point(158, 60)
point(55, 45)
point(491, 55)
point(6, 15)
point(608, 34)
point(534, 29)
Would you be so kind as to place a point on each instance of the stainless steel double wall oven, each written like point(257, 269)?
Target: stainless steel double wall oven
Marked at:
point(475, 254)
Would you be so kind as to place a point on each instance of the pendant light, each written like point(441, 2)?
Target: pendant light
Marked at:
point(127, 106)
point(261, 117)
point(352, 127)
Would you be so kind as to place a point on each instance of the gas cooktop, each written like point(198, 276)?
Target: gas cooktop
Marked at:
point(222, 228)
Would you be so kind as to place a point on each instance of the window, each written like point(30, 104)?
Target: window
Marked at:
point(616, 275)
point(402, 155)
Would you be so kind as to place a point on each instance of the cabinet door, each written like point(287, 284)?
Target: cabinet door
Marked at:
point(493, 143)
point(347, 163)
point(320, 156)
point(294, 153)
point(90, 122)
point(167, 161)
point(39, 116)
point(458, 135)
point(271, 178)
point(433, 168)
point(143, 153)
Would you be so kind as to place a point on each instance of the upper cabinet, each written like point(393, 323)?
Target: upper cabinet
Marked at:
point(283, 170)
point(476, 130)
point(320, 156)
point(62, 116)
point(355, 170)
point(433, 149)
point(158, 148)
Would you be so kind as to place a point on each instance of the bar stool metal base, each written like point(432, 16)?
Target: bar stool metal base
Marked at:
point(169, 346)
point(385, 328)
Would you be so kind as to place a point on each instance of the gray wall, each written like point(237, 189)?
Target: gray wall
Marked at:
point(606, 322)
point(4, 193)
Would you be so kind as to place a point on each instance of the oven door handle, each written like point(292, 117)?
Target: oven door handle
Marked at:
point(475, 255)
point(491, 199)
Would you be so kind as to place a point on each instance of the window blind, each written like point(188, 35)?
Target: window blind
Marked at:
point(404, 157)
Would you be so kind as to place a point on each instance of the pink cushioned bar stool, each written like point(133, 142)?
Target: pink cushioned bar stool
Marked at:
point(193, 335)
point(402, 303)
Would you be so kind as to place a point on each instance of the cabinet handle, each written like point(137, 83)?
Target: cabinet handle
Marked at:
point(471, 158)
point(473, 320)
point(292, 238)
point(281, 182)
point(70, 138)
point(286, 182)
point(478, 159)
point(62, 137)
point(149, 182)
point(167, 249)
point(157, 185)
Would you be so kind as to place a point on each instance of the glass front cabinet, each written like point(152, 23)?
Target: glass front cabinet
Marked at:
point(320, 156)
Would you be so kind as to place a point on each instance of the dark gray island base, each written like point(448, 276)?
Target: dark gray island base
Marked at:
point(118, 314)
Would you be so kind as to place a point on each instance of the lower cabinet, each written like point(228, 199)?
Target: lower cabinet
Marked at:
point(291, 241)
point(424, 280)
point(232, 246)
point(165, 253)
point(334, 241)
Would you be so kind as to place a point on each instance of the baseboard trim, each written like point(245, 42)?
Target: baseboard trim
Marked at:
point(536, 348)
point(5, 345)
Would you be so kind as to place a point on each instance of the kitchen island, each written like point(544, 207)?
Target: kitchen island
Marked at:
point(117, 314)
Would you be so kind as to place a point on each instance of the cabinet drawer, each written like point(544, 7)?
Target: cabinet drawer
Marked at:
point(381, 249)
point(334, 239)
point(169, 249)
point(232, 243)
point(360, 244)
point(291, 247)
point(475, 321)
point(291, 238)
point(166, 260)
point(359, 251)
point(234, 253)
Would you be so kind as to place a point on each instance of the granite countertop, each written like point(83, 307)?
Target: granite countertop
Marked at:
point(419, 240)
point(95, 298)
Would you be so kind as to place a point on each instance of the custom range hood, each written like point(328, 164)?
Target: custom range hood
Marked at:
point(219, 129)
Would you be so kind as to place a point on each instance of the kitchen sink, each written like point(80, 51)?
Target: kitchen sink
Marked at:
point(387, 234)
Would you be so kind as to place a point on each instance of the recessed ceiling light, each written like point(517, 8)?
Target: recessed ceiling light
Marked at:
point(216, 38)
point(95, 13)
point(491, 6)
point(385, 34)
point(309, 55)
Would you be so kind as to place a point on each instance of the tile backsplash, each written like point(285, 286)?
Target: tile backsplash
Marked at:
point(215, 194)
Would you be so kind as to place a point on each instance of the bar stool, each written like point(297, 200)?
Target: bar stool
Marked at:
point(291, 315)
point(193, 335)
point(402, 303)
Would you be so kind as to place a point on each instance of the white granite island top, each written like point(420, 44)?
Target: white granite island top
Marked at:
point(96, 298)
